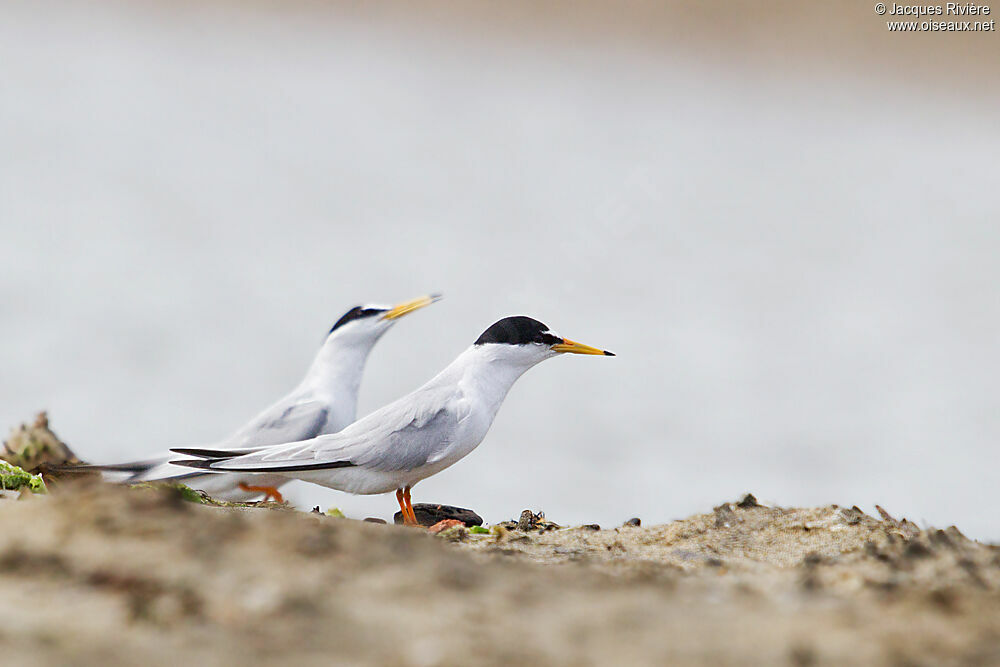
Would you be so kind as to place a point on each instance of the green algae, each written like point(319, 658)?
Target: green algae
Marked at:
point(13, 478)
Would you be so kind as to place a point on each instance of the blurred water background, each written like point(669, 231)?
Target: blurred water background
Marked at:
point(782, 219)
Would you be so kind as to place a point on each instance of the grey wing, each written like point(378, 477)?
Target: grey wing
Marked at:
point(413, 445)
point(402, 435)
point(287, 421)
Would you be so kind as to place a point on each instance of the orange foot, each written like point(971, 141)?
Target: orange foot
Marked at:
point(268, 491)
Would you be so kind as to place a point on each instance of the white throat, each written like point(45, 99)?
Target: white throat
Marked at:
point(336, 373)
point(489, 371)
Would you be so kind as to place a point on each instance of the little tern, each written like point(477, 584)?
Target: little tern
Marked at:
point(417, 435)
point(324, 402)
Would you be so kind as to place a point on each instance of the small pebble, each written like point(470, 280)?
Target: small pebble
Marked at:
point(445, 524)
point(374, 519)
point(634, 521)
point(591, 526)
point(429, 514)
point(451, 530)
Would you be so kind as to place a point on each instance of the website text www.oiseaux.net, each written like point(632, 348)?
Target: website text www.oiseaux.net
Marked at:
point(961, 17)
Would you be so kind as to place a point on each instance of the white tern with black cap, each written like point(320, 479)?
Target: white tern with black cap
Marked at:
point(416, 436)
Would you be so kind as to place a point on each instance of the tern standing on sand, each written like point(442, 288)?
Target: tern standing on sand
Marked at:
point(418, 435)
point(324, 402)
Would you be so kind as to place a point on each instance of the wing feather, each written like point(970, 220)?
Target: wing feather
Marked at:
point(285, 421)
point(403, 435)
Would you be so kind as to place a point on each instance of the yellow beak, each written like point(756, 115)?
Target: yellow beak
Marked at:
point(408, 307)
point(573, 347)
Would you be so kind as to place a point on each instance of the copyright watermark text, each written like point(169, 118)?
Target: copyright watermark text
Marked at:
point(955, 17)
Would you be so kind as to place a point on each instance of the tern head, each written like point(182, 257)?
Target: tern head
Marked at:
point(523, 339)
point(364, 325)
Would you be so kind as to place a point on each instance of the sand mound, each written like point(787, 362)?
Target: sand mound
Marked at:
point(96, 574)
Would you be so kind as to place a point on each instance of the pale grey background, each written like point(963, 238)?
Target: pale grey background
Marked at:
point(799, 273)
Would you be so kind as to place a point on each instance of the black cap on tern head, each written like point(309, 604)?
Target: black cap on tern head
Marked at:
point(386, 313)
point(518, 330)
point(355, 313)
point(521, 330)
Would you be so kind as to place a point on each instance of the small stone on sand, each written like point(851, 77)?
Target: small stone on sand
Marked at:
point(429, 514)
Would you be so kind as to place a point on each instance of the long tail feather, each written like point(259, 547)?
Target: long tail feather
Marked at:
point(205, 464)
point(219, 454)
point(133, 467)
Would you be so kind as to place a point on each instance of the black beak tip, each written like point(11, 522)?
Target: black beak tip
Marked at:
point(609, 354)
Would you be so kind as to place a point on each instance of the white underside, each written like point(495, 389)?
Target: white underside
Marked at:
point(364, 482)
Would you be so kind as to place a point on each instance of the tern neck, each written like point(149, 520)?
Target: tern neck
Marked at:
point(489, 371)
point(336, 373)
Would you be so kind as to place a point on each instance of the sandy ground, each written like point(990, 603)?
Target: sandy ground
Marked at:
point(94, 574)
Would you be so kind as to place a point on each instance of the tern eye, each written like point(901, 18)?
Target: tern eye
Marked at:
point(548, 339)
point(355, 313)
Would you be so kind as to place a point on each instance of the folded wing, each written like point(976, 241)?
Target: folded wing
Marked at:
point(401, 436)
point(285, 421)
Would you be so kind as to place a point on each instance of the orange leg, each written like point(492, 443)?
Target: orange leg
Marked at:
point(401, 499)
point(409, 506)
point(269, 491)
